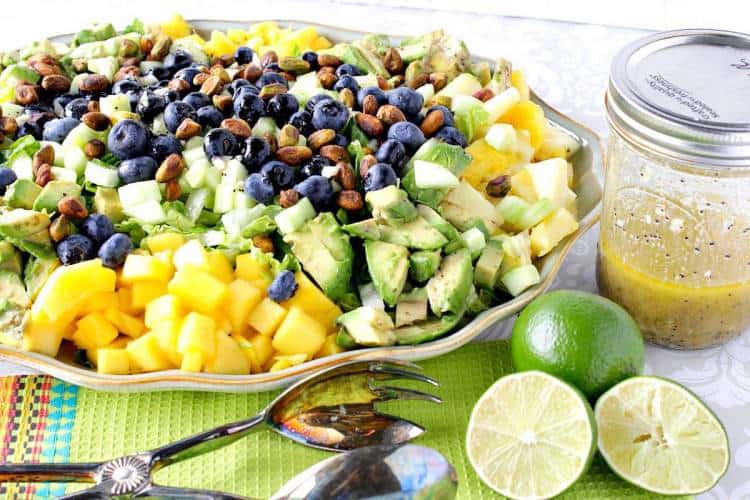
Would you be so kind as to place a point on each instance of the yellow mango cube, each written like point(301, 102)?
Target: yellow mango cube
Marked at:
point(547, 234)
point(229, 357)
point(192, 361)
point(167, 306)
point(266, 316)
point(518, 80)
point(314, 302)
point(528, 116)
point(198, 333)
point(191, 254)
point(286, 361)
point(238, 36)
point(329, 347)
point(248, 268)
point(220, 267)
point(112, 361)
point(43, 336)
point(242, 299)
point(165, 241)
point(167, 334)
point(94, 331)
point(146, 355)
point(100, 301)
point(176, 27)
point(129, 325)
point(144, 268)
point(119, 343)
point(263, 348)
point(166, 257)
point(299, 333)
point(143, 292)
point(249, 352)
point(198, 289)
point(125, 299)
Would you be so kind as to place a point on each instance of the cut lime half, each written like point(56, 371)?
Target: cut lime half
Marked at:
point(658, 435)
point(531, 436)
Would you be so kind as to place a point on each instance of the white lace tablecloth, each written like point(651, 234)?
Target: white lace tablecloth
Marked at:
point(566, 64)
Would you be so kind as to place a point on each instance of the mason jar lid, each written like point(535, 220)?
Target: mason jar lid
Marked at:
point(685, 94)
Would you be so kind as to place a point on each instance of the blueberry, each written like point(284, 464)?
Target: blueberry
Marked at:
point(346, 82)
point(39, 114)
point(259, 187)
point(7, 177)
point(114, 251)
point(176, 112)
point(197, 100)
point(245, 89)
point(134, 96)
point(257, 152)
point(281, 107)
point(282, 287)
point(270, 77)
point(314, 100)
point(249, 107)
point(312, 59)
point(187, 74)
point(380, 96)
point(97, 227)
point(330, 114)
point(209, 116)
point(59, 103)
point(314, 166)
point(408, 134)
point(379, 176)
point(407, 100)
point(243, 55)
point(159, 72)
point(124, 85)
point(128, 139)
point(149, 105)
point(177, 60)
point(58, 129)
point(280, 174)
point(451, 135)
point(272, 67)
point(30, 128)
point(164, 145)
point(239, 82)
point(341, 140)
point(77, 108)
point(302, 120)
point(140, 168)
point(317, 189)
point(447, 115)
point(347, 69)
point(391, 152)
point(220, 142)
point(74, 249)
point(168, 95)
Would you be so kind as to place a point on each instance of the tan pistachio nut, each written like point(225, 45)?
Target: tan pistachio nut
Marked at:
point(187, 129)
point(223, 102)
point(160, 48)
point(394, 82)
point(251, 73)
point(288, 198)
point(130, 61)
point(335, 153)
point(27, 93)
point(220, 73)
point(329, 60)
point(45, 155)
point(172, 190)
point(2, 137)
point(418, 80)
point(200, 78)
point(439, 80)
point(94, 84)
point(349, 200)
point(294, 64)
point(127, 48)
point(72, 207)
point(365, 163)
point(212, 86)
point(442, 100)
point(47, 69)
point(263, 242)
point(60, 227)
point(269, 57)
point(80, 65)
point(393, 62)
point(369, 124)
point(93, 106)
point(171, 167)
point(272, 90)
point(389, 114)
point(43, 174)
point(273, 144)
point(327, 80)
point(179, 85)
point(347, 97)
point(345, 175)
point(125, 72)
point(8, 125)
point(499, 186)
point(288, 136)
point(238, 127)
point(96, 120)
point(293, 155)
point(370, 105)
point(383, 83)
point(94, 149)
point(147, 43)
point(483, 95)
point(432, 122)
point(56, 84)
point(226, 60)
point(320, 138)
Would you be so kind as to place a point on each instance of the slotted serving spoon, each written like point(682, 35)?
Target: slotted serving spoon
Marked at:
point(333, 409)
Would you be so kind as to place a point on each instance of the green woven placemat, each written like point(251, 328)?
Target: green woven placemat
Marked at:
point(108, 425)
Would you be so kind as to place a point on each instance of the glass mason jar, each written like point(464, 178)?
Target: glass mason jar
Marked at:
point(674, 247)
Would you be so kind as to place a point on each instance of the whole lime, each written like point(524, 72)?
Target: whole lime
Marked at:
point(584, 339)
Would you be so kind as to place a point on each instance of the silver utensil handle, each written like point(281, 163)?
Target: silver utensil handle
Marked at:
point(166, 492)
point(204, 442)
point(35, 473)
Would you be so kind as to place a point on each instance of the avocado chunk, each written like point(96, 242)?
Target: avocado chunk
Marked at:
point(447, 55)
point(10, 258)
point(465, 207)
point(429, 329)
point(53, 192)
point(391, 204)
point(107, 202)
point(325, 253)
point(43, 46)
point(343, 339)
point(36, 273)
point(411, 307)
point(368, 229)
point(455, 241)
point(388, 265)
point(360, 57)
point(417, 47)
point(487, 269)
point(450, 287)
point(415, 234)
point(368, 326)
point(16, 73)
point(375, 42)
point(424, 264)
point(479, 301)
point(104, 31)
point(14, 303)
point(450, 156)
point(27, 230)
point(22, 193)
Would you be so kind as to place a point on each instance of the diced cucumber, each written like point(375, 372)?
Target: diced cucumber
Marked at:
point(64, 174)
point(159, 127)
point(22, 166)
point(197, 172)
point(148, 212)
point(194, 142)
point(139, 192)
point(501, 136)
point(464, 103)
point(189, 45)
point(428, 175)
point(82, 135)
point(368, 80)
point(292, 218)
point(536, 213)
point(224, 201)
point(370, 297)
point(146, 66)
point(475, 241)
point(213, 178)
point(241, 200)
point(184, 186)
point(194, 155)
point(74, 159)
point(113, 103)
point(101, 175)
point(428, 92)
point(59, 153)
point(463, 84)
point(520, 279)
point(106, 66)
point(498, 105)
point(511, 208)
point(235, 220)
point(234, 172)
point(265, 125)
point(195, 203)
point(11, 110)
point(213, 238)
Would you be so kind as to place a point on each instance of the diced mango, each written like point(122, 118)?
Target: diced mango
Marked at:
point(299, 333)
point(144, 268)
point(528, 116)
point(192, 254)
point(263, 348)
point(166, 257)
point(266, 316)
point(308, 296)
point(242, 299)
point(488, 163)
point(165, 307)
point(285, 361)
point(125, 298)
point(229, 357)
point(176, 27)
point(248, 268)
point(94, 331)
point(329, 347)
point(143, 292)
point(249, 352)
point(146, 355)
point(198, 333)
point(192, 361)
point(328, 319)
point(120, 342)
point(100, 301)
point(238, 36)
point(547, 234)
point(129, 325)
point(43, 336)
point(518, 80)
point(198, 289)
point(113, 361)
point(167, 332)
point(164, 241)
point(279, 365)
point(220, 267)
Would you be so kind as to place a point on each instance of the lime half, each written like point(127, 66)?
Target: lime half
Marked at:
point(531, 435)
point(658, 435)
